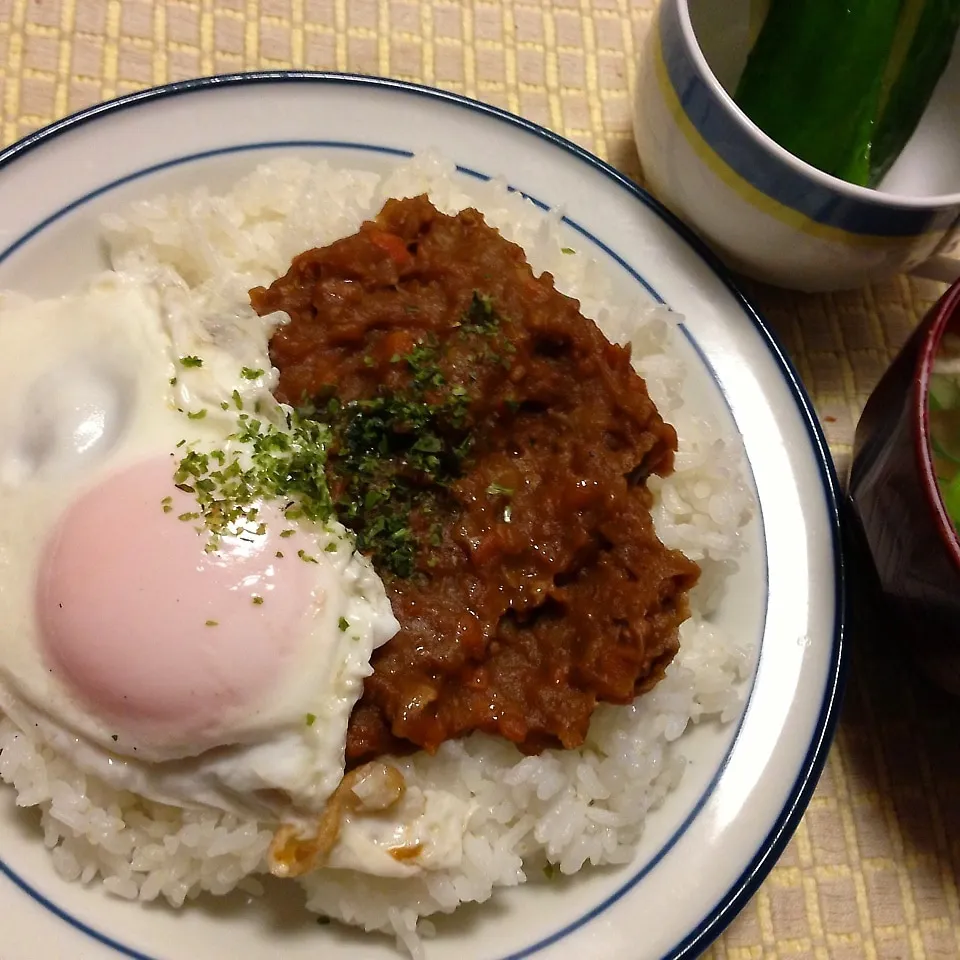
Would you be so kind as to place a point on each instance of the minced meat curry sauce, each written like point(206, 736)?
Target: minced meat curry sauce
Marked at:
point(490, 450)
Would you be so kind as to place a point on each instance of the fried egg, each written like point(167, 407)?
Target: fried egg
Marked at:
point(190, 662)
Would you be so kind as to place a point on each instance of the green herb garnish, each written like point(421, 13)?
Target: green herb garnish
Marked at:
point(394, 456)
point(249, 374)
point(278, 463)
point(191, 362)
point(481, 314)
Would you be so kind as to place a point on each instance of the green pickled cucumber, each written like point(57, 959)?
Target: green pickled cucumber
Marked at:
point(843, 85)
point(926, 38)
point(814, 79)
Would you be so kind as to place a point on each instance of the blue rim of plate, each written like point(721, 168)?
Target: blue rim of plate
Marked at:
point(769, 850)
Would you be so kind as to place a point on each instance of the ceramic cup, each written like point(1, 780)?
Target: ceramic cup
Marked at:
point(896, 498)
point(769, 214)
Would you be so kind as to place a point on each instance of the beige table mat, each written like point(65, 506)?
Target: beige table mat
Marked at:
point(872, 870)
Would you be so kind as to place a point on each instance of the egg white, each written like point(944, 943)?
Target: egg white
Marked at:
point(94, 383)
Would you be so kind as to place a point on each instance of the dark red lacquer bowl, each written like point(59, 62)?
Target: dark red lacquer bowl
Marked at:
point(895, 496)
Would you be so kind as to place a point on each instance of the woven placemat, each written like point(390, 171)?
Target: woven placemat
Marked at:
point(871, 872)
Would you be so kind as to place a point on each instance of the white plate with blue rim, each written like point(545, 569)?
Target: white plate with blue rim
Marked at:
point(706, 849)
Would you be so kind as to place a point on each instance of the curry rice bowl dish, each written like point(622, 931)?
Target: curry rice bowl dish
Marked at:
point(426, 708)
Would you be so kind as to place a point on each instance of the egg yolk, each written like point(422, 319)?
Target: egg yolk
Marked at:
point(155, 633)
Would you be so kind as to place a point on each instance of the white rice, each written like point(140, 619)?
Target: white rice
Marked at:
point(565, 808)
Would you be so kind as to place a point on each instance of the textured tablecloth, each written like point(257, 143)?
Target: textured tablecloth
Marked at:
point(872, 870)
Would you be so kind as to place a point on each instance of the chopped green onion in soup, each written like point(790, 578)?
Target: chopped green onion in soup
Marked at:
point(944, 421)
